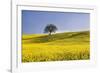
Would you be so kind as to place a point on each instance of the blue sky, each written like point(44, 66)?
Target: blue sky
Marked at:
point(34, 22)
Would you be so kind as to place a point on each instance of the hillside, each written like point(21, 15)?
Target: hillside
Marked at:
point(66, 37)
point(57, 47)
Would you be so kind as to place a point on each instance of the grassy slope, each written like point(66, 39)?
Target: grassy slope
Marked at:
point(59, 46)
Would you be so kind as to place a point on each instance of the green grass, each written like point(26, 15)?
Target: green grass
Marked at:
point(57, 47)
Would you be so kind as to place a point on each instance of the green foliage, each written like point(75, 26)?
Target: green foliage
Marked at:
point(50, 28)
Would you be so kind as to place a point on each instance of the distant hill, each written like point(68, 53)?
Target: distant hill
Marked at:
point(82, 36)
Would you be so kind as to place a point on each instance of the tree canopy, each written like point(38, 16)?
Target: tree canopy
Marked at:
point(50, 28)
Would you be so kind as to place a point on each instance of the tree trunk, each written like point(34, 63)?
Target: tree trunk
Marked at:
point(50, 33)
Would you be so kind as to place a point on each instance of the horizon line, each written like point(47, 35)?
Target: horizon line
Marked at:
point(54, 33)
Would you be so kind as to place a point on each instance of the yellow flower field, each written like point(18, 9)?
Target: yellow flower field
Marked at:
point(57, 47)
